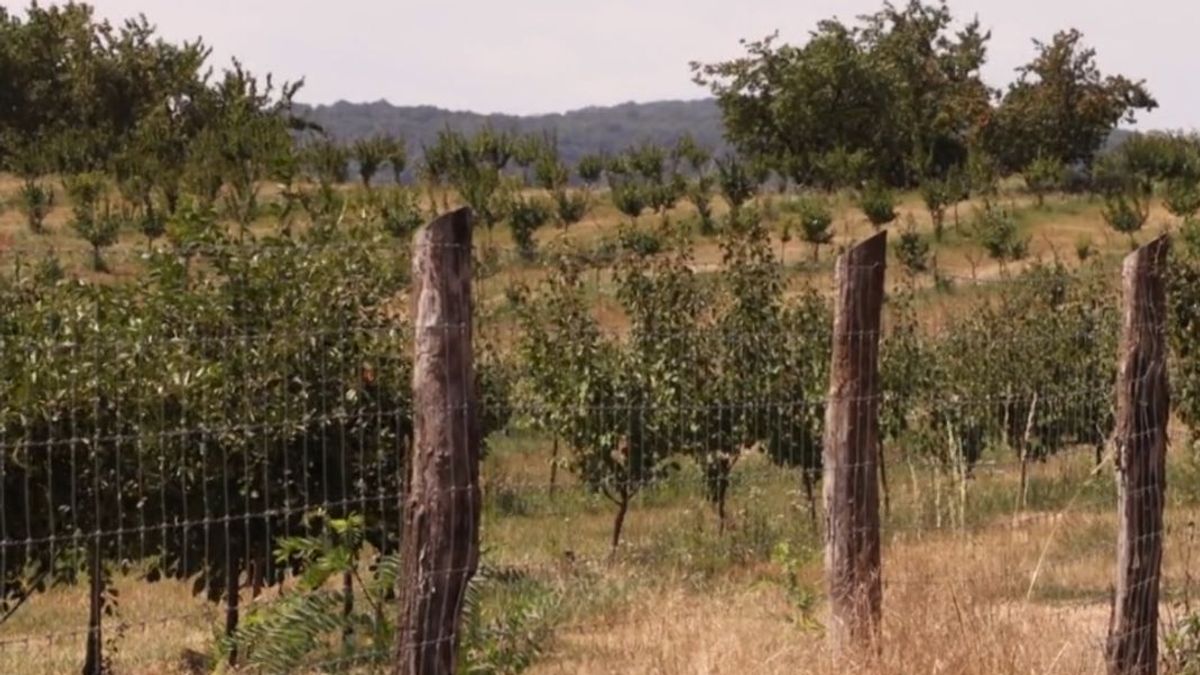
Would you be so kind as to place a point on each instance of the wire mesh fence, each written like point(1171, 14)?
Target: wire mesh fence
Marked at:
point(240, 454)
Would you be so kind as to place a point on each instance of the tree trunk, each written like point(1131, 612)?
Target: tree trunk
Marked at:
point(440, 537)
point(232, 596)
point(94, 660)
point(348, 605)
point(806, 479)
point(554, 467)
point(1143, 403)
point(722, 491)
point(851, 447)
point(619, 521)
point(883, 482)
point(1026, 439)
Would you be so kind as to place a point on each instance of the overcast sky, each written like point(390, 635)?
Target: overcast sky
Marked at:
point(534, 56)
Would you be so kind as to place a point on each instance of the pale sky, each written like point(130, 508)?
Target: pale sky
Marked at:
point(537, 56)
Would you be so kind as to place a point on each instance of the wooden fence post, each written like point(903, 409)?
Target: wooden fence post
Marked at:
point(851, 449)
point(1143, 401)
point(440, 547)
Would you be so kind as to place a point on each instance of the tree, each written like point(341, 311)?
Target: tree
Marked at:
point(699, 189)
point(1125, 178)
point(1044, 175)
point(400, 212)
point(588, 384)
point(1182, 198)
point(669, 354)
point(397, 158)
point(912, 250)
point(84, 89)
point(815, 220)
point(1183, 326)
point(570, 206)
point(371, 154)
point(738, 180)
point(36, 199)
point(878, 204)
point(1180, 170)
point(473, 166)
point(93, 217)
point(248, 129)
point(1062, 107)
point(628, 194)
point(525, 216)
point(795, 425)
point(329, 162)
point(899, 88)
point(996, 230)
point(553, 175)
point(590, 169)
point(699, 193)
point(938, 193)
point(655, 171)
point(147, 363)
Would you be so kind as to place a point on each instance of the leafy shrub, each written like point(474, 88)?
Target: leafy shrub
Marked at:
point(1184, 330)
point(878, 204)
point(1182, 197)
point(525, 216)
point(1084, 249)
point(997, 231)
point(400, 213)
point(1036, 353)
point(1125, 213)
point(36, 199)
point(1183, 647)
point(804, 598)
point(640, 242)
point(508, 622)
point(938, 193)
point(912, 250)
point(738, 180)
point(815, 219)
point(1045, 175)
point(205, 350)
point(97, 224)
point(570, 207)
point(629, 197)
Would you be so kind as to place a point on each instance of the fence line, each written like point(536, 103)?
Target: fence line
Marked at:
point(249, 451)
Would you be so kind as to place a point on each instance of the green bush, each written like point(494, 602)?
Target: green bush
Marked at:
point(525, 216)
point(641, 242)
point(815, 219)
point(1182, 644)
point(36, 199)
point(1045, 175)
point(996, 229)
point(912, 250)
point(400, 213)
point(878, 204)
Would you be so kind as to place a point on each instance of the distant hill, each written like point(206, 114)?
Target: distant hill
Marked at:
point(580, 132)
point(588, 130)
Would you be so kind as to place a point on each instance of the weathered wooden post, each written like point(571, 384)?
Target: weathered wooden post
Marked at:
point(1143, 401)
point(851, 449)
point(440, 549)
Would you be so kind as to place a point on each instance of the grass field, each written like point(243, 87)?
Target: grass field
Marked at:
point(973, 583)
